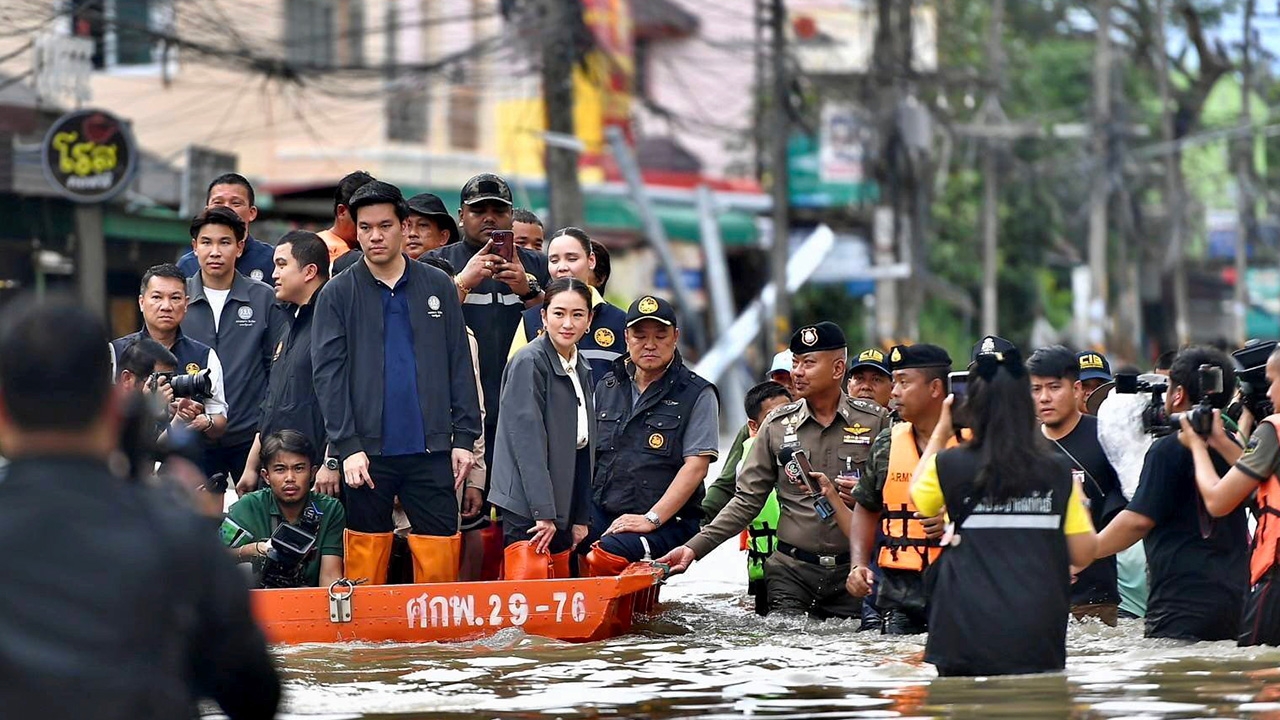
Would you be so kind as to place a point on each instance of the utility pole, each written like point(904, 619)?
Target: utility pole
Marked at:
point(990, 183)
point(1245, 233)
point(564, 192)
point(1101, 153)
point(1173, 183)
point(781, 330)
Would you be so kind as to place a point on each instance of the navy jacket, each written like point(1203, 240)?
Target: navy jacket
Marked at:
point(254, 263)
point(291, 402)
point(347, 355)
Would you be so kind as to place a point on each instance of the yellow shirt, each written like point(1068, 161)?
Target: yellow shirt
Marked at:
point(926, 493)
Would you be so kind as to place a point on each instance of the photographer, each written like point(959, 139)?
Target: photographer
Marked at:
point(121, 604)
point(288, 463)
point(1198, 566)
point(1255, 471)
point(1000, 602)
point(145, 366)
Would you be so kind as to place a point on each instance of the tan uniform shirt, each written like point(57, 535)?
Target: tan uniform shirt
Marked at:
point(842, 447)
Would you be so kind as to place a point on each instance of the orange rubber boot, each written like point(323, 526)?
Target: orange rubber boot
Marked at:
point(521, 562)
point(560, 565)
point(435, 557)
point(367, 556)
point(604, 564)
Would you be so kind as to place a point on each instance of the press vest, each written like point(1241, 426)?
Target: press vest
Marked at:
point(601, 346)
point(642, 449)
point(1002, 593)
point(905, 546)
point(1266, 540)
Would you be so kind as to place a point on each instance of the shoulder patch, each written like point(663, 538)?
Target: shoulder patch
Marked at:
point(784, 410)
point(867, 406)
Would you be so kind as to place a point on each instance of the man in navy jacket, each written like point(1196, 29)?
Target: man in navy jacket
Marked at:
point(396, 386)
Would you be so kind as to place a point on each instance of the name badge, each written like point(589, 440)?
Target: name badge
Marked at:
point(790, 438)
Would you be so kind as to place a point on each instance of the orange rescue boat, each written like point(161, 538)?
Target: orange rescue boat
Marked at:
point(574, 610)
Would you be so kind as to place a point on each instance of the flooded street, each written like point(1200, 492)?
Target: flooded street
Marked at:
point(708, 656)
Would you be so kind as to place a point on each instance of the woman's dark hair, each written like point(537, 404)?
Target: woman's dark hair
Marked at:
point(218, 215)
point(568, 285)
point(286, 441)
point(577, 234)
point(603, 267)
point(1012, 453)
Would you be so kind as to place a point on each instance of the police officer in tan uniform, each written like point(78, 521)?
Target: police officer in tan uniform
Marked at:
point(807, 573)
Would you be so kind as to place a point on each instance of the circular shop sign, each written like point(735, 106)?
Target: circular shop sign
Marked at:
point(89, 156)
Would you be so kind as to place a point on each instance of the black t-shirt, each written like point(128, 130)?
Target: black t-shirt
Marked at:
point(1096, 583)
point(1198, 565)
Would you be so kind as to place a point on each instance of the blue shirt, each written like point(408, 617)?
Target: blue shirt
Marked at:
point(256, 262)
point(403, 432)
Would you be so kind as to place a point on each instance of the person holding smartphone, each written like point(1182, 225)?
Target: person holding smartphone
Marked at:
point(543, 462)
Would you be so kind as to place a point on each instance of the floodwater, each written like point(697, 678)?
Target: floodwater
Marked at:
point(707, 655)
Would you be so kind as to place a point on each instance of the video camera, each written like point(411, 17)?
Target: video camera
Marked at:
point(1251, 363)
point(286, 560)
point(795, 463)
point(1156, 420)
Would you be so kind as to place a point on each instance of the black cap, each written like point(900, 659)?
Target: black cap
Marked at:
point(1093, 366)
point(651, 307)
point(486, 186)
point(429, 205)
point(825, 335)
point(992, 344)
point(924, 355)
point(872, 358)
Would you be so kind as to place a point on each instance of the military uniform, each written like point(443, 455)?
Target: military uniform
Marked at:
point(808, 571)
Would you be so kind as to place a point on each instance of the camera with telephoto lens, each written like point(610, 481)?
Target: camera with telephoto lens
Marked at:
point(286, 559)
point(194, 386)
point(1251, 363)
point(1156, 420)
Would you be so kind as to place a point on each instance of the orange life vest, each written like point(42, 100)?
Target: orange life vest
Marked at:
point(905, 546)
point(1266, 540)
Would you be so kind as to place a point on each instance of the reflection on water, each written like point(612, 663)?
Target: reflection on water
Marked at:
point(708, 656)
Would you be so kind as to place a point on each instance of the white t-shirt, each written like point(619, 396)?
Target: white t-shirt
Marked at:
point(217, 300)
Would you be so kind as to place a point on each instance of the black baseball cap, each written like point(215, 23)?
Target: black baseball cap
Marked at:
point(429, 205)
point(651, 307)
point(872, 358)
point(486, 186)
point(922, 355)
point(1093, 366)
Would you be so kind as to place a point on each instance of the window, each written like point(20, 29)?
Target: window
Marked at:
point(127, 34)
point(324, 33)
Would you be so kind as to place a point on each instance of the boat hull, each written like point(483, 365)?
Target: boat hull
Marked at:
point(574, 610)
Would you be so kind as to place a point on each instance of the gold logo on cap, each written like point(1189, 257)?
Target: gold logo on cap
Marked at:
point(871, 355)
point(193, 369)
point(1090, 362)
point(656, 441)
point(604, 337)
point(809, 336)
point(896, 356)
point(648, 306)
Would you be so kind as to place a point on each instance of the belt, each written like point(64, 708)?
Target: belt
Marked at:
point(811, 558)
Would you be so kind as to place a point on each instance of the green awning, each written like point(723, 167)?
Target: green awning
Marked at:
point(148, 225)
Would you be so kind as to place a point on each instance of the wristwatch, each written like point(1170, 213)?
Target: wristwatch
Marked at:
point(534, 289)
point(652, 517)
point(331, 464)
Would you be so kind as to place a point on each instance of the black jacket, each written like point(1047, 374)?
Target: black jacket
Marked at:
point(347, 354)
point(120, 605)
point(291, 402)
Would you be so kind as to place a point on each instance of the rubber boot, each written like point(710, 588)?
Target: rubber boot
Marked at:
point(601, 563)
point(435, 557)
point(367, 555)
point(491, 566)
point(560, 565)
point(522, 562)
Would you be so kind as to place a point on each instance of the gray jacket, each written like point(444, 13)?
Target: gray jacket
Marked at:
point(535, 451)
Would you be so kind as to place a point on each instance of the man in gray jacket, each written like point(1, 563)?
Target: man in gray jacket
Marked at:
point(396, 387)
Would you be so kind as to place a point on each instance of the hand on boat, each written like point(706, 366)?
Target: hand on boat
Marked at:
point(678, 559)
point(355, 469)
point(542, 532)
point(327, 481)
point(463, 460)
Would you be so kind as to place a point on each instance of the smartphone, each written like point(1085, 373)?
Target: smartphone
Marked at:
point(504, 244)
point(959, 384)
point(806, 470)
